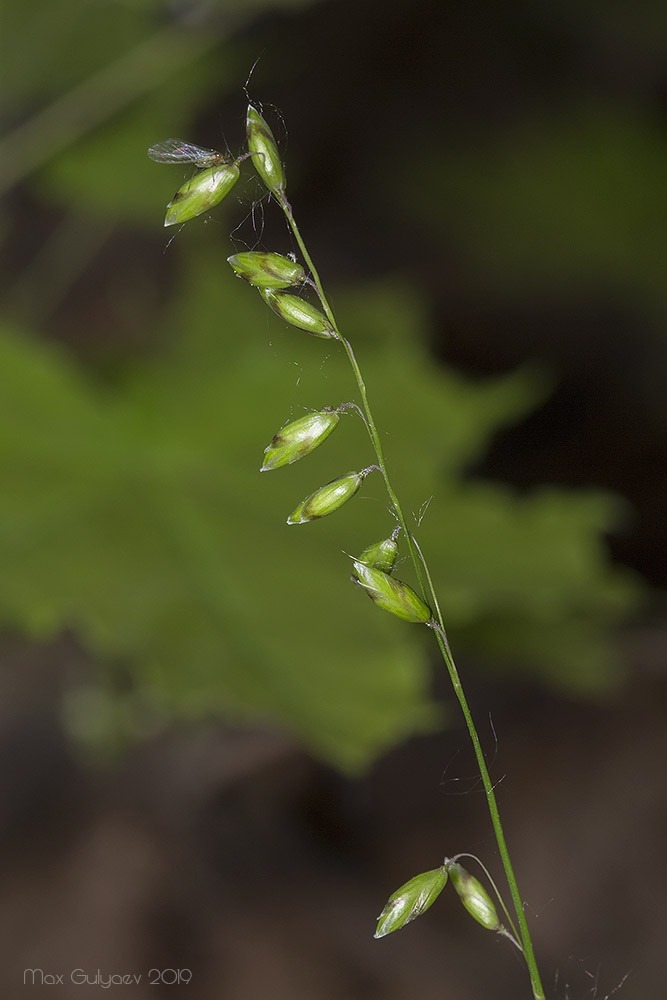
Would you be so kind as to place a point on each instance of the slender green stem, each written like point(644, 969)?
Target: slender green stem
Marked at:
point(370, 422)
point(426, 584)
point(526, 942)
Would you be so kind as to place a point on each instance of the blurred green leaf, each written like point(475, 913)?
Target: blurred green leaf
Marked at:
point(529, 579)
point(118, 73)
point(55, 46)
point(58, 45)
point(138, 518)
point(107, 173)
point(524, 578)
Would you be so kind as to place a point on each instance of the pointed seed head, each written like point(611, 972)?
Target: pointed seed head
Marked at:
point(474, 896)
point(299, 438)
point(390, 594)
point(267, 270)
point(381, 555)
point(328, 498)
point(299, 313)
point(201, 193)
point(411, 900)
point(267, 159)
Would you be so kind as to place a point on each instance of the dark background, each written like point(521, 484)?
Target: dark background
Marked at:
point(230, 851)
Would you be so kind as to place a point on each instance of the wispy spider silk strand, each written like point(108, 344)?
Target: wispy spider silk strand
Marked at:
point(426, 584)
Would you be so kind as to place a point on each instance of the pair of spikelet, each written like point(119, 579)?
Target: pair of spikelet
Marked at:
point(417, 895)
point(213, 183)
point(271, 274)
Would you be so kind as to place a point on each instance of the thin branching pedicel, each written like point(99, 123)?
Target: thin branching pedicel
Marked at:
point(272, 274)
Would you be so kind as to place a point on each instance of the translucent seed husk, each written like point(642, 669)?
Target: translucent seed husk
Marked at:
point(299, 313)
point(474, 896)
point(201, 193)
point(298, 438)
point(381, 555)
point(328, 498)
point(411, 900)
point(267, 270)
point(392, 595)
point(267, 159)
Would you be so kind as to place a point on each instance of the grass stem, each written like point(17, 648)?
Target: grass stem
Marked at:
point(428, 591)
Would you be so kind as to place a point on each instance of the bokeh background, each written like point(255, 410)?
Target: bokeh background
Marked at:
point(215, 755)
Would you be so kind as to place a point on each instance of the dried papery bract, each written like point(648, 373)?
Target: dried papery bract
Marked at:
point(391, 595)
point(205, 190)
point(328, 498)
point(298, 438)
point(267, 159)
point(474, 896)
point(299, 313)
point(411, 900)
point(267, 270)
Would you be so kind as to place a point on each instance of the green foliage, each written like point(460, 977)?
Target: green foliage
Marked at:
point(138, 519)
point(92, 81)
point(57, 45)
point(107, 173)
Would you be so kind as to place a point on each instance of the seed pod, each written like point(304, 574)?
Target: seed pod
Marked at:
point(298, 313)
point(267, 159)
point(411, 900)
point(392, 595)
point(201, 193)
point(328, 498)
point(267, 270)
point(299, 438)
point(474, 896)
point(381, 555)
